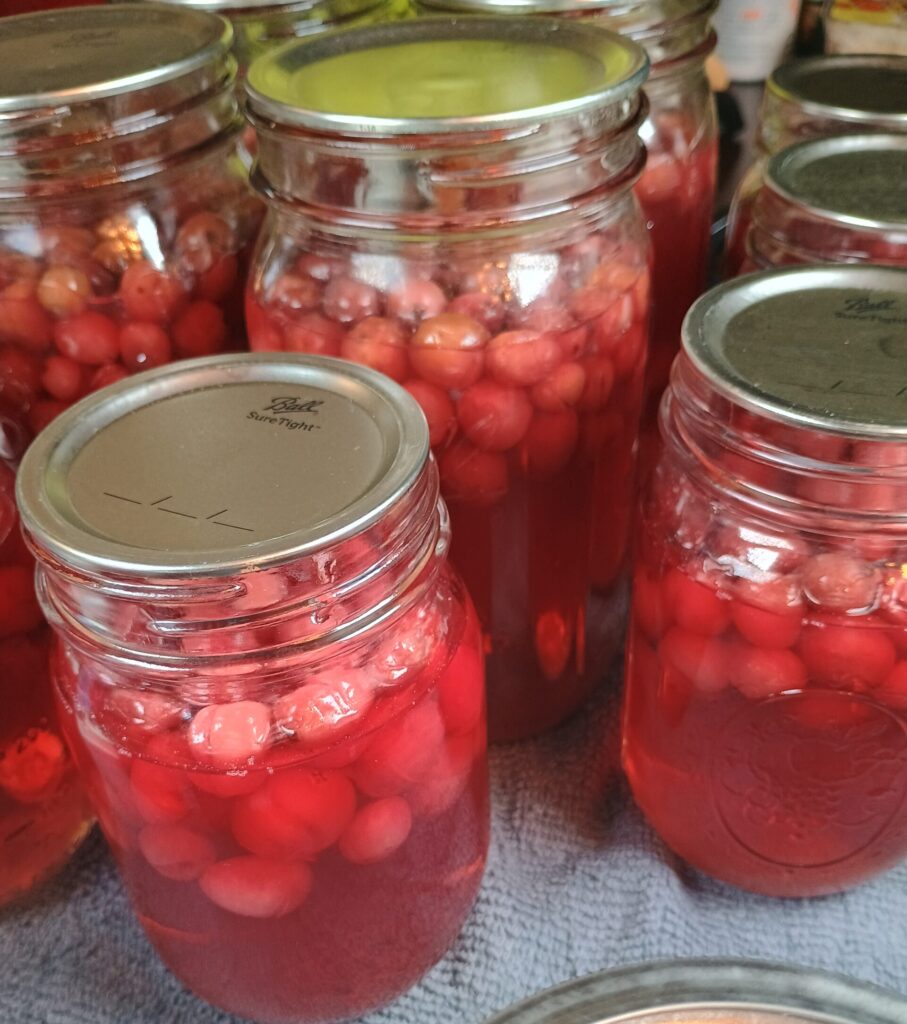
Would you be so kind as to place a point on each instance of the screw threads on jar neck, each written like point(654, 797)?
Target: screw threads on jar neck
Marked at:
point(802, 476)
point(276, 614)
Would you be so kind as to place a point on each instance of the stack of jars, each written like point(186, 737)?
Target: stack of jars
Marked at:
point(811, 99)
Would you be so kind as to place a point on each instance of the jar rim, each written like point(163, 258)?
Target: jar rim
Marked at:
point(174, 44)
point(847, 158)
point(230, 8)
point(630, 994)
point(591, 42)
point(751, 339)
point(85, 485)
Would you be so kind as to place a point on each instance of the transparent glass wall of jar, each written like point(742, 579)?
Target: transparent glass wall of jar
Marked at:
point(270, 676)
point(677, 187)
point(814, 98)
point(492, 258)
point(833, 200)
point(764, 729)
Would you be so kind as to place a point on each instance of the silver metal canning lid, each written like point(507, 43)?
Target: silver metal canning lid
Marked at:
point(710, 992)
point(869, 89)
point(75, 55)
point(854, 179)
point(822, 347)
point(622, 64)
point(217, 465)
point(670, 9)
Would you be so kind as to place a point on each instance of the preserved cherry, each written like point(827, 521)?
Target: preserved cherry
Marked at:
point(277, 700)
point(764, 723)
point(524, 345)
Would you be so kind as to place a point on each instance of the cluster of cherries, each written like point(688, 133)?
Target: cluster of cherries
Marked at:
point(90, 307)
point(508, 387)
point(243, 795)
point(782, 650)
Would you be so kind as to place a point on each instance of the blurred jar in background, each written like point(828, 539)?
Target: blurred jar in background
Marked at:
point(813, 98)
point(834, 200)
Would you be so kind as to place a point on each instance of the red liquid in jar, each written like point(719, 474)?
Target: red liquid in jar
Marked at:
point(288, 884)
point(765, 731)
point(677, 191)
point(85, 306)
point(43, 811)
point(533, 412)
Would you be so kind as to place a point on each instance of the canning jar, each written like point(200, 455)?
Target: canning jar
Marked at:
point(766, 699)
point(677, 187)
point(814, 98)
point(44, 813)
point(450, 203)
point(269, 674)
point(833, 200)
point(125, 212)
point(712, 991)
point(261, 24)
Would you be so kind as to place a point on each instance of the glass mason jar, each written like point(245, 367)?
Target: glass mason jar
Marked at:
point(269, 674)
point(710, 992)
point(677, 187)
point(480, 243)
point(259, 25)
point(765, 728)
point(125, 212)
point(833, 200)
point(811, 99)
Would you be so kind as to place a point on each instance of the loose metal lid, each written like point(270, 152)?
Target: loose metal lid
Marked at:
point(854, 179)
point(822, 347)
point(213, 466)
point(710, 992)
point(444, 75)
point(866, 89)
point(56, 58)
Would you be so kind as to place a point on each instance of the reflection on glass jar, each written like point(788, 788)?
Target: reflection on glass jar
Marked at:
point(270, 676)
point(834, 200)
point(125, 212)
point(677, 187)
point(814, 98)
point(765, 730)
point(451, 204)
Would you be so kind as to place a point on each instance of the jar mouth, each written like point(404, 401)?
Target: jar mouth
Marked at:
point(238, 8)
point(612, 70)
